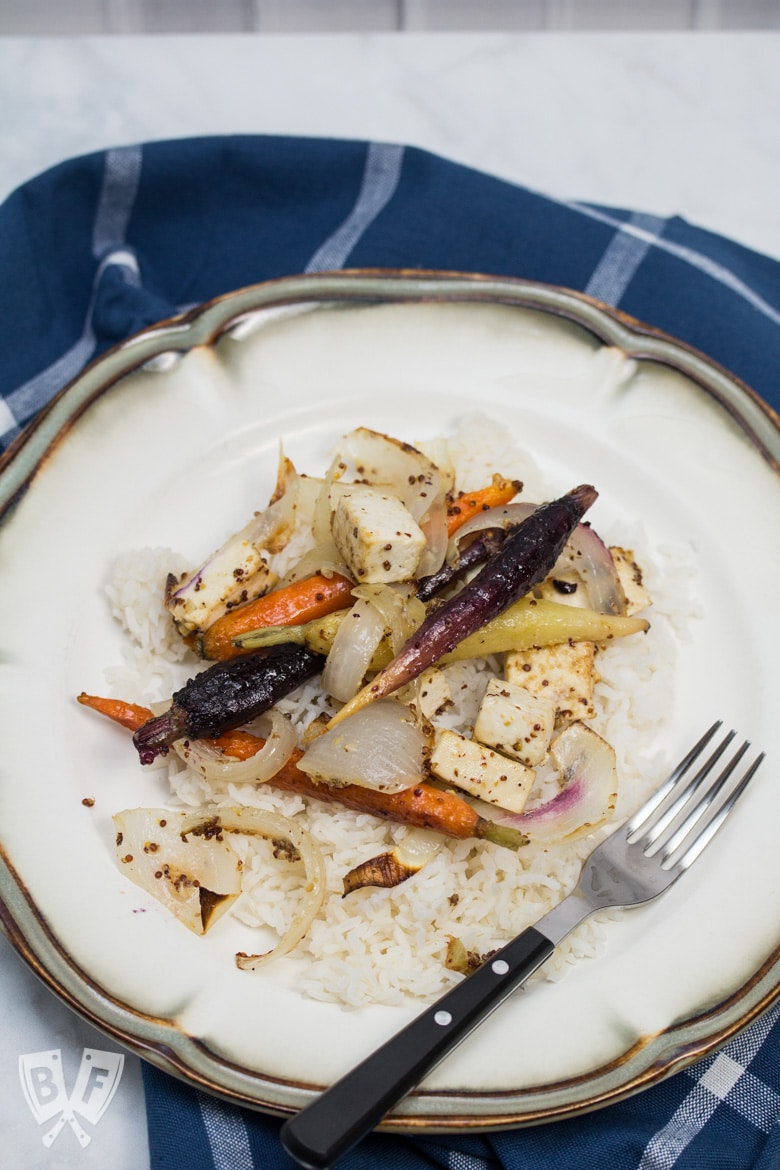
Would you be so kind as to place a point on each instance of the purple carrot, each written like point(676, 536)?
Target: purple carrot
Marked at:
point(481, 549)
point(525, 558)
point(227, 695)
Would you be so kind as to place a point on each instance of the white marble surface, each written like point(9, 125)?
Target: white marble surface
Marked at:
point(666, 123)
point(663, 123)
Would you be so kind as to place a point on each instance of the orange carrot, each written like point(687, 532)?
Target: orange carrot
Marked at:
point(467, 504)
point(292, 605)
point(423, 805)
point(239, 744)
point(130, 715)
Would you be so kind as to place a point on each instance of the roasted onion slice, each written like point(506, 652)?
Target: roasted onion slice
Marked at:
point(589, 793)
point(220, 769)
point(240, 569)
point(586, 555)
point(380, 747)
point(215, 823)
point(196, 880)
point(353, 647)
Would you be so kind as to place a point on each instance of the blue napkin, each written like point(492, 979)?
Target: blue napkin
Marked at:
point(103, 245)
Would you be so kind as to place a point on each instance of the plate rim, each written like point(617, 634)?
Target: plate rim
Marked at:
point(182, 1055)
point(205, 323)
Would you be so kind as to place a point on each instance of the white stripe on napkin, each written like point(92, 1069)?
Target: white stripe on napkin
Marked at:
point(380, 180)
point(719, 1078)
point(456, 1160)
point(625, 252)
point(121, 177)
point(704, 264)
point(121, 174)
point(227, 1135)
point(7, 420)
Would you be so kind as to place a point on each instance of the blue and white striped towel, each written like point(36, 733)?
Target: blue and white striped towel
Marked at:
point(101, 246)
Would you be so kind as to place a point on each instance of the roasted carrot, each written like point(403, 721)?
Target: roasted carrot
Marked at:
point(239, 744)
point(423, 806)
point(467, 504)
point(130, 715)
point(302, 601)
point(226, 695)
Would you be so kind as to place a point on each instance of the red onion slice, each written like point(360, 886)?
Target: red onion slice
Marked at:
point(588, 768)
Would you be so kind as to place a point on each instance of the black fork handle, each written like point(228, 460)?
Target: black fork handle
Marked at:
point(337, 1120)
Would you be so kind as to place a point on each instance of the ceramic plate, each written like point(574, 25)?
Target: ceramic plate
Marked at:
point(168, 440)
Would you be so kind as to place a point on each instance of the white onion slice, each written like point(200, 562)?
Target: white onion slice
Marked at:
point(323, 505)
point(502, 517)
point(238, 570)
point(434, 527)
point(218, 768)
point(323, 558)
point(401, 611)
point(589, 772)
point(418, 847)
point(379, 611)
point(379, 747)
point(353, 647)
point(380, 460)
point(196, 880)
point(275, 827)
point(438, 451)
point(309, 494)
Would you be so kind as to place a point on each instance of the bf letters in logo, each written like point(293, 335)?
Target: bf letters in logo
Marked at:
point(43, 1085)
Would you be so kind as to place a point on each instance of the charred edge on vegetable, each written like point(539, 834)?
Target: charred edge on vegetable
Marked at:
point(462, 960)
point(385, 871)
point(209, 904)
point(227, 695)
point(476, 553)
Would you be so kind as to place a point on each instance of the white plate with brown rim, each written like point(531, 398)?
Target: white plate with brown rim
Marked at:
point(160, 440)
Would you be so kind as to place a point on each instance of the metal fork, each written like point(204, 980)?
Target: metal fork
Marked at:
point(640, 860)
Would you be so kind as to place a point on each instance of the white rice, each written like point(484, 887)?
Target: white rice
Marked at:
point(381, 946)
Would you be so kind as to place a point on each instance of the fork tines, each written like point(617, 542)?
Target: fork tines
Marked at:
point(687, 811)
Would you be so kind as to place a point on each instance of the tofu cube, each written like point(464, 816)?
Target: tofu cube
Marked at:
point(480, 771)
point(515, 722)
point(630, 578)
point(377, 535)
point(565, 674)
point(433, 692)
